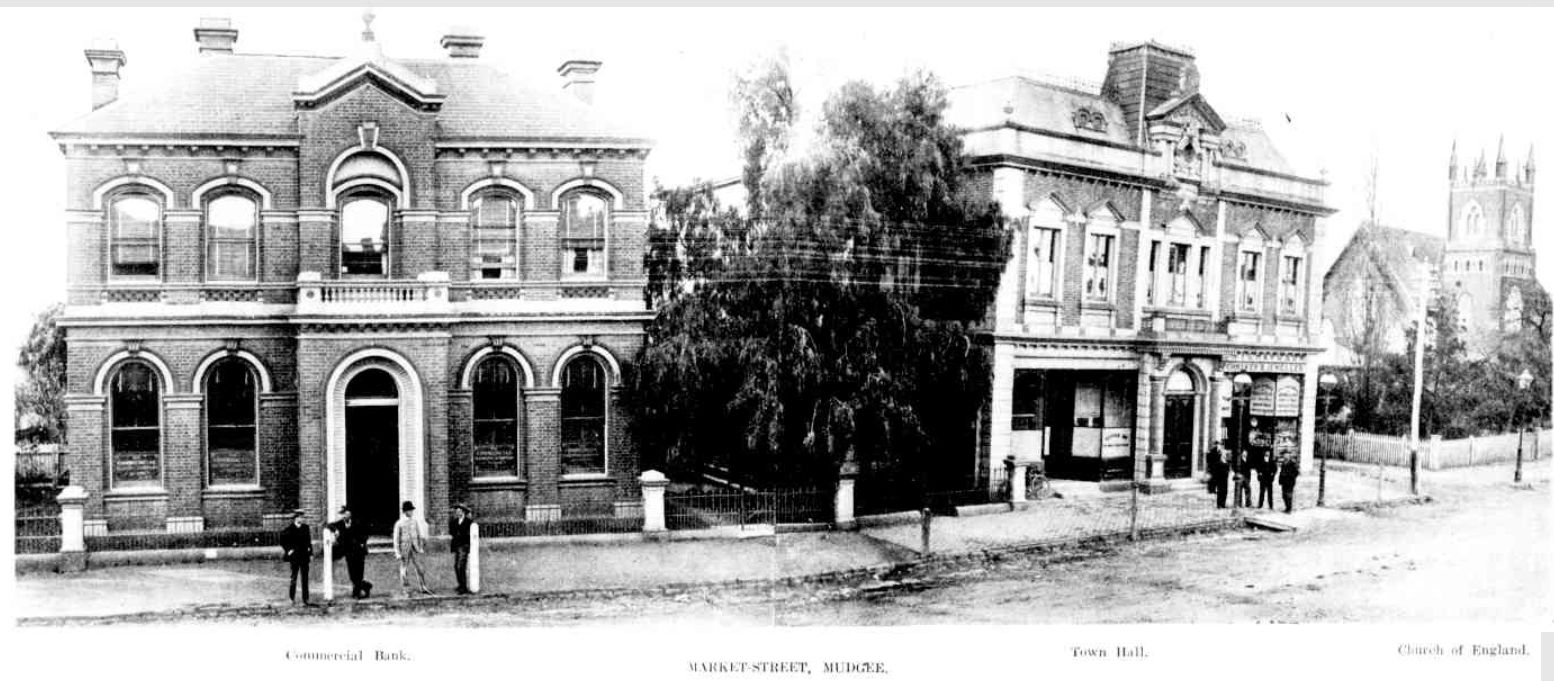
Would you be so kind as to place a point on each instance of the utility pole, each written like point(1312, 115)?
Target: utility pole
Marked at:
point(1425, 286)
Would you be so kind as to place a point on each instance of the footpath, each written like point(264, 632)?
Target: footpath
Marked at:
point(1083, 516)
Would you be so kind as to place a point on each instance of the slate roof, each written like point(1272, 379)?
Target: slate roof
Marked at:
point(1050, 106)
point(250, 95)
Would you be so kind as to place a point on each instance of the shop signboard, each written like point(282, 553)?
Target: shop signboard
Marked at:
point(1264, 393)
point(1287, 397)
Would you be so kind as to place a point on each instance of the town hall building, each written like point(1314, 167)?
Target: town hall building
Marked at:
point(1159, 298)
point(299, 281)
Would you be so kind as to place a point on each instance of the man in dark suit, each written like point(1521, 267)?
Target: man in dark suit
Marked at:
point(1219, 474)
point(458, 529)
point(351, 542)
point(297, 550)
point(1289, 470)
point(1266, 467)
point(1243, 487)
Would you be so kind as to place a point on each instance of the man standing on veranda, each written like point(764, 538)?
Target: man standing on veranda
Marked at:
point(409, 545)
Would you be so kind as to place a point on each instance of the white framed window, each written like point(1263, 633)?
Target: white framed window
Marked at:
point(135, 233)
point(497, 401)
point(135, 426)
point(585, 219)
point(231, 424)
point(1249, 279)
point(1100, 254)
point(364, 232)
point(1292, 278)
point(1044, 267)
point(496, 223)
point(584, 386)
point(231, 230)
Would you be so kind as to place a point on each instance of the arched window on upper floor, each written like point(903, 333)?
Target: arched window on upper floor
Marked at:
point(1472, 221)
point(585, 220)
point(231, 423)
point(1516, 230)
point(135, 234)
point(135, 426)
point(497, 397)
point(364, 233)
point(231, 232)
point(497, 216)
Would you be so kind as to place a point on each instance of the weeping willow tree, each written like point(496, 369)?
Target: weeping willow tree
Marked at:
point(834, 319)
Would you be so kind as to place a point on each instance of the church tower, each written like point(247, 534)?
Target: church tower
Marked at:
point(1488, 261)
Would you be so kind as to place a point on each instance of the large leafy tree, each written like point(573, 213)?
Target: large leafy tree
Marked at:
point(40, 394)
point(834, 319)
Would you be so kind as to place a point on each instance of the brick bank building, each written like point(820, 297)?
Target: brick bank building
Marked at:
point(1160, 297)
point(310, 281)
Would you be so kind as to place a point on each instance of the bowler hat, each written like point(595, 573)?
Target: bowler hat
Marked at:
point(461, 505)
point(343, 509)
point(407, 506)
point(297, 512)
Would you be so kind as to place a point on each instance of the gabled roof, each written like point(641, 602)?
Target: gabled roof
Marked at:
point(1198, 104)
point(368, 63)
point(251, 96)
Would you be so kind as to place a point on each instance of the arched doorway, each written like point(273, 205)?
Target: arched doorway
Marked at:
point(1181, 411)
point(372, 449)
point(375, 437)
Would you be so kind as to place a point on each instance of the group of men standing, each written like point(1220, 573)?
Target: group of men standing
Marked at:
point(350, 541)
point(1237, 468)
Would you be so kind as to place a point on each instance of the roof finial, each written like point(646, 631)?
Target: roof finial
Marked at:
point(367, 17)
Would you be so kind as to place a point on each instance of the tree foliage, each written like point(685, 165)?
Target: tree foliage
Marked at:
point(834, 318)
point(1462, 394)
point(40, 394)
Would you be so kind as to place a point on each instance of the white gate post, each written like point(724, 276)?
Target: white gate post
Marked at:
point(329, 562)
point(72, 528)
point(1016, 471)
point(474, 558)
point(843, 502)
point(653, 484)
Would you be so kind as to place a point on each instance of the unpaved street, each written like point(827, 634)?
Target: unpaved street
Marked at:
point(1478, 552)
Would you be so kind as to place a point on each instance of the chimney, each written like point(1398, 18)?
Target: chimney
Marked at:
point(463, 42)
point(215, 35)
point(105, 57)
point(1143, 75)
point(579, 76)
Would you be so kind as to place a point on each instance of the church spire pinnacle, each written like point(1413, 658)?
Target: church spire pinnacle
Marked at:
point(1500, 159)
point(367, 17)
point(1451, 166)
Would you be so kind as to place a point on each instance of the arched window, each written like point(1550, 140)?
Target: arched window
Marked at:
point(231, 419)
point(135, 432)
point(364, 222)
point(135, 227)
point(582, 416)
point(1511, 318)
point(231, 222)
point(585, 217)
point(1516, 232)
point(495, 242)
point(1472, 220)
point(496, 398)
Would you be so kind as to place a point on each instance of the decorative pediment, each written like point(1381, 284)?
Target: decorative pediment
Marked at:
point(1049, 212)
point(1185, 224)
point(1105, 212)
point(1255, 237)
point(1188, 111)
point(369, 67)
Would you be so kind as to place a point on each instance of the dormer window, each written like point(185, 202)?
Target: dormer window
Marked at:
point(135, 227)
point(495, 242)
point(585, 216)
point(230, 223)
point(364, 221)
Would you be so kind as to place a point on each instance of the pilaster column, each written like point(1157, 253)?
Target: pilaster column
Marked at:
point(1156, 424)
point(318, 246)
point(183, 470)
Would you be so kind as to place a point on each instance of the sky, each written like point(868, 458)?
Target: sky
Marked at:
point(1336, 88)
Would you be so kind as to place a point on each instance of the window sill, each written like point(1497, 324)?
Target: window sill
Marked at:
point(1044, 301)
point(585, 480)
point(584, 277)
point(126, 494)
point(1097, 305)
point(1173, 310)
point(234, 490)
point(498, 483)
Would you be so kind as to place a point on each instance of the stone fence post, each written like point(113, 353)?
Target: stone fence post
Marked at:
point(653, 484)
point(1015, 468)
point(72, 528)
point(843, 502)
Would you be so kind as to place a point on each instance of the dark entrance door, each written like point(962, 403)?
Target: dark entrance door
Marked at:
point(1178, 435)
point(372, 450)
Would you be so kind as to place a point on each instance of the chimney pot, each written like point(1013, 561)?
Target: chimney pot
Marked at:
point(105, 58)
point(578, 75)
point(463, 42)
point(215, 35)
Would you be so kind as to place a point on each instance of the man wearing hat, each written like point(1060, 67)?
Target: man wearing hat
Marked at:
point(409, 545)
point(458, 529)
point(351, 540)
point(297, 550)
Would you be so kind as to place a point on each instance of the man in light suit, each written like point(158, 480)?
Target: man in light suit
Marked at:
point(409, 545)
